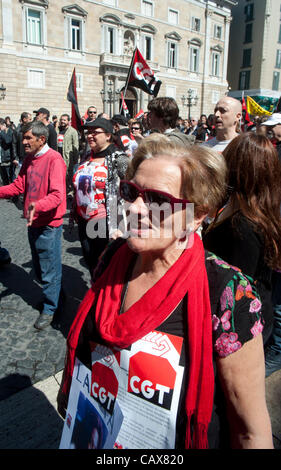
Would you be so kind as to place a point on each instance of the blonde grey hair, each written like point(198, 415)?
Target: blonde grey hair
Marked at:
point(203, 169)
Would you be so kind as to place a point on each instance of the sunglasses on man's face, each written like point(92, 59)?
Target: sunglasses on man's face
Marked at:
point(92, 112)
point(130, 192)
point(135, 128)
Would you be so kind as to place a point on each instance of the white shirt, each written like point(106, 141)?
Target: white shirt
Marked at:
point(218, 145)
point(42, 151)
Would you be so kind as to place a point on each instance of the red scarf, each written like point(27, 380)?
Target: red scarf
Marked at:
point(187, 275)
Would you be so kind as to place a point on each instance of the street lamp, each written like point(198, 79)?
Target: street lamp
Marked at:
point(2, 92)
point(190, 100)
point(109, 96)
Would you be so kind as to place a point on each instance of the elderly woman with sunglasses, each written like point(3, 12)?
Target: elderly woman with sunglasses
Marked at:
point(169, 333)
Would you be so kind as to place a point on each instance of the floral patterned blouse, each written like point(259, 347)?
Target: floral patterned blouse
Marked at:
point(236, 311)
point(235, 303)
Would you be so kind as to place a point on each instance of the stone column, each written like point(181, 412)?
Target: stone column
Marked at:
point(116, 98)
point(227, 22)
point(7, 22)
point(206, 72)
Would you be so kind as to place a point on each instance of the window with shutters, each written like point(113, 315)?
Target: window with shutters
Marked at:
point(147, 8)
point(173, 16)
point(34, 27)
point(218, 31)
point(247, 57)
point(172, 55)
point(195, 24)
point(194, 59)
point(110, 39)
point(35, 78)
point(278, 59)
point(276, 80)
point(244, 80)
point(248, 33)
point(216, 64)
point(76, 34)
point(74, 27)
point(147, 41)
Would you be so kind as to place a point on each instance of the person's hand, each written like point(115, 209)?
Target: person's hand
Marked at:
point(30, 214)
point(116, 234)
point(138, 137)
point(15, 162)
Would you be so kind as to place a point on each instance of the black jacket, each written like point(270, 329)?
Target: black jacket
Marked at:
point(18, 148)
point(6, 154)
point(53, 137)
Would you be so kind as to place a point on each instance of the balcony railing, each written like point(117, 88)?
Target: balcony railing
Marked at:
point(122, 60)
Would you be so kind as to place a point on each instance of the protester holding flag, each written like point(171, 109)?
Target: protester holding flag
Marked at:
point(142, 76)
point(124, 107)
point(136, 129)
point(76, 120)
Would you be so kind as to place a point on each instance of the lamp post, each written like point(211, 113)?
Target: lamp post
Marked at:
point(190, 100)
point(2, 92)
point(109, 96)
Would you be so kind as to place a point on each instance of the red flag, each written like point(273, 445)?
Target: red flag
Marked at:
point(140, 114)
point(142, 76)
point(76, 121)
point(124, 106)
point(246, 117)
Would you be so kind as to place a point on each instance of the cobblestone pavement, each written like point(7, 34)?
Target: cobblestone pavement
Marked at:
point(27, 355)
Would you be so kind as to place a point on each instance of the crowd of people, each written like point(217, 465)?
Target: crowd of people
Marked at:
point(183, 316)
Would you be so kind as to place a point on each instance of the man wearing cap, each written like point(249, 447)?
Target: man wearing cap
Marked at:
point(96, 185)
point(42, 182)
point(43, 115)
point(274, 124)
point(228, 113)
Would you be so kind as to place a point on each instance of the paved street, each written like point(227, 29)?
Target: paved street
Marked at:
point(28, 355)
point(31, 361)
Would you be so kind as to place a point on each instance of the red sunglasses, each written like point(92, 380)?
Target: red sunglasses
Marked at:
point(130, 192)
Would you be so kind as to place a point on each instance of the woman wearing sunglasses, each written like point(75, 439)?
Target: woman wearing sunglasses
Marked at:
point(168, 332)
point(93, 207)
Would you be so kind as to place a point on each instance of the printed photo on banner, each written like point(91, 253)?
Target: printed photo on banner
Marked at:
point(88, 425)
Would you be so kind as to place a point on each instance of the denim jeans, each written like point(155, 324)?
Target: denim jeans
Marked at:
point(45, 244)
point(276, 300)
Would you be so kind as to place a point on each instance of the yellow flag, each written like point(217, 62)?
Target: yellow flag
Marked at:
point(255, 109)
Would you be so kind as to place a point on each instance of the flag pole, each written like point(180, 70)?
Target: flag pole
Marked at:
point(128, 76)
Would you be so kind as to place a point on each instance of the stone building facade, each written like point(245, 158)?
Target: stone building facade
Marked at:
point(255, 51)
point(41, 41)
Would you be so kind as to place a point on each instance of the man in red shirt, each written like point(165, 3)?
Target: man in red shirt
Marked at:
point(42, 181)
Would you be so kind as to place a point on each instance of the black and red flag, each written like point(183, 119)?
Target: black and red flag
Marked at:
point(124, 106)
point(142, 76)
point(76, 120)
